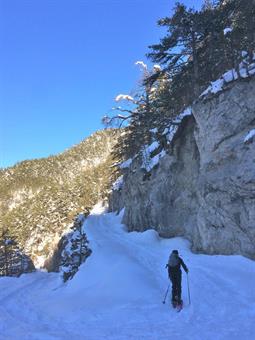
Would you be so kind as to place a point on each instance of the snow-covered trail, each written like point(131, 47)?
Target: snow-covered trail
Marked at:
point(118, 293)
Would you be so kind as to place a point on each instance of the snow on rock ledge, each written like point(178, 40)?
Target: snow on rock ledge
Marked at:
point(250, 136)
point(204, 187)
point(229, 76)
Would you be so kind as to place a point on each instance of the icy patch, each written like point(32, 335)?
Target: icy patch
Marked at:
point(249, 136)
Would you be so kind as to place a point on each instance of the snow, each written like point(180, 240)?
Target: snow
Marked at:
point(249, 136)
point(186, 112)
point(156, 68)
point(117, 294)
point(126, 164)
point(120, 97)
point(152, 147)
point(154, 130)
point(172, 129)
point(142, 64)
point(227, 30)
point(229, 76)
point(149, 163)
point(117, 185)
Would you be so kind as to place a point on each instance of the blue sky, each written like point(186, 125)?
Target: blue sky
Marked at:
point(61, 65)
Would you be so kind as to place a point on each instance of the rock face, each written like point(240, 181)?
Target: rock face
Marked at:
point(204, 188)
point(226, 187)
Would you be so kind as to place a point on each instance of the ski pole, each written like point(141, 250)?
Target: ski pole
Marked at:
point(164, 301)
point(188, 288)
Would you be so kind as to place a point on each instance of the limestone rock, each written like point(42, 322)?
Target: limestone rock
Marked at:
point(204, 188)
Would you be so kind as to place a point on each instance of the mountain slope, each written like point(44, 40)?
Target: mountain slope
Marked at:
point(118, 292)
point(40, 198)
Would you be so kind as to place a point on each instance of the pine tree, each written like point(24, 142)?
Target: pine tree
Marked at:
point(199, 47)
point(76, 249)
point(180, 46)
point(12, 261)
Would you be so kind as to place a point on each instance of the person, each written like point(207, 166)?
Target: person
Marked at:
point(175, 275)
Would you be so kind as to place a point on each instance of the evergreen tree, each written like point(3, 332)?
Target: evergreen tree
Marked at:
point(180, 46)
point(76, 249)
point(12, 261)
point(199, 47)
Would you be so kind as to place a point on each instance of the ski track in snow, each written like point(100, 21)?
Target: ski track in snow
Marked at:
point(117, 294)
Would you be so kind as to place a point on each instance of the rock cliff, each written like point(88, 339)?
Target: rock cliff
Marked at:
point(204, 187)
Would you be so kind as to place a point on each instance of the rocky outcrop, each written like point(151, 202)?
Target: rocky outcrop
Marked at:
point(204, 188)
point(226, 187)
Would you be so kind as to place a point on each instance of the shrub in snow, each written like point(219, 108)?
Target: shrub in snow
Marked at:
point(75, 250)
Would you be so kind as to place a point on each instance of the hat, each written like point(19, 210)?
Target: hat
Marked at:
point(175, 252)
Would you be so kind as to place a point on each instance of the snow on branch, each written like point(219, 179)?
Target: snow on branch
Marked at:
point(156, 68)
point(227, 30)
point(124, 97)
point(245, 70)
point(142, 65)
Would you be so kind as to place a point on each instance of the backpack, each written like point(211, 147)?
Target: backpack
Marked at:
point(173, 260)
